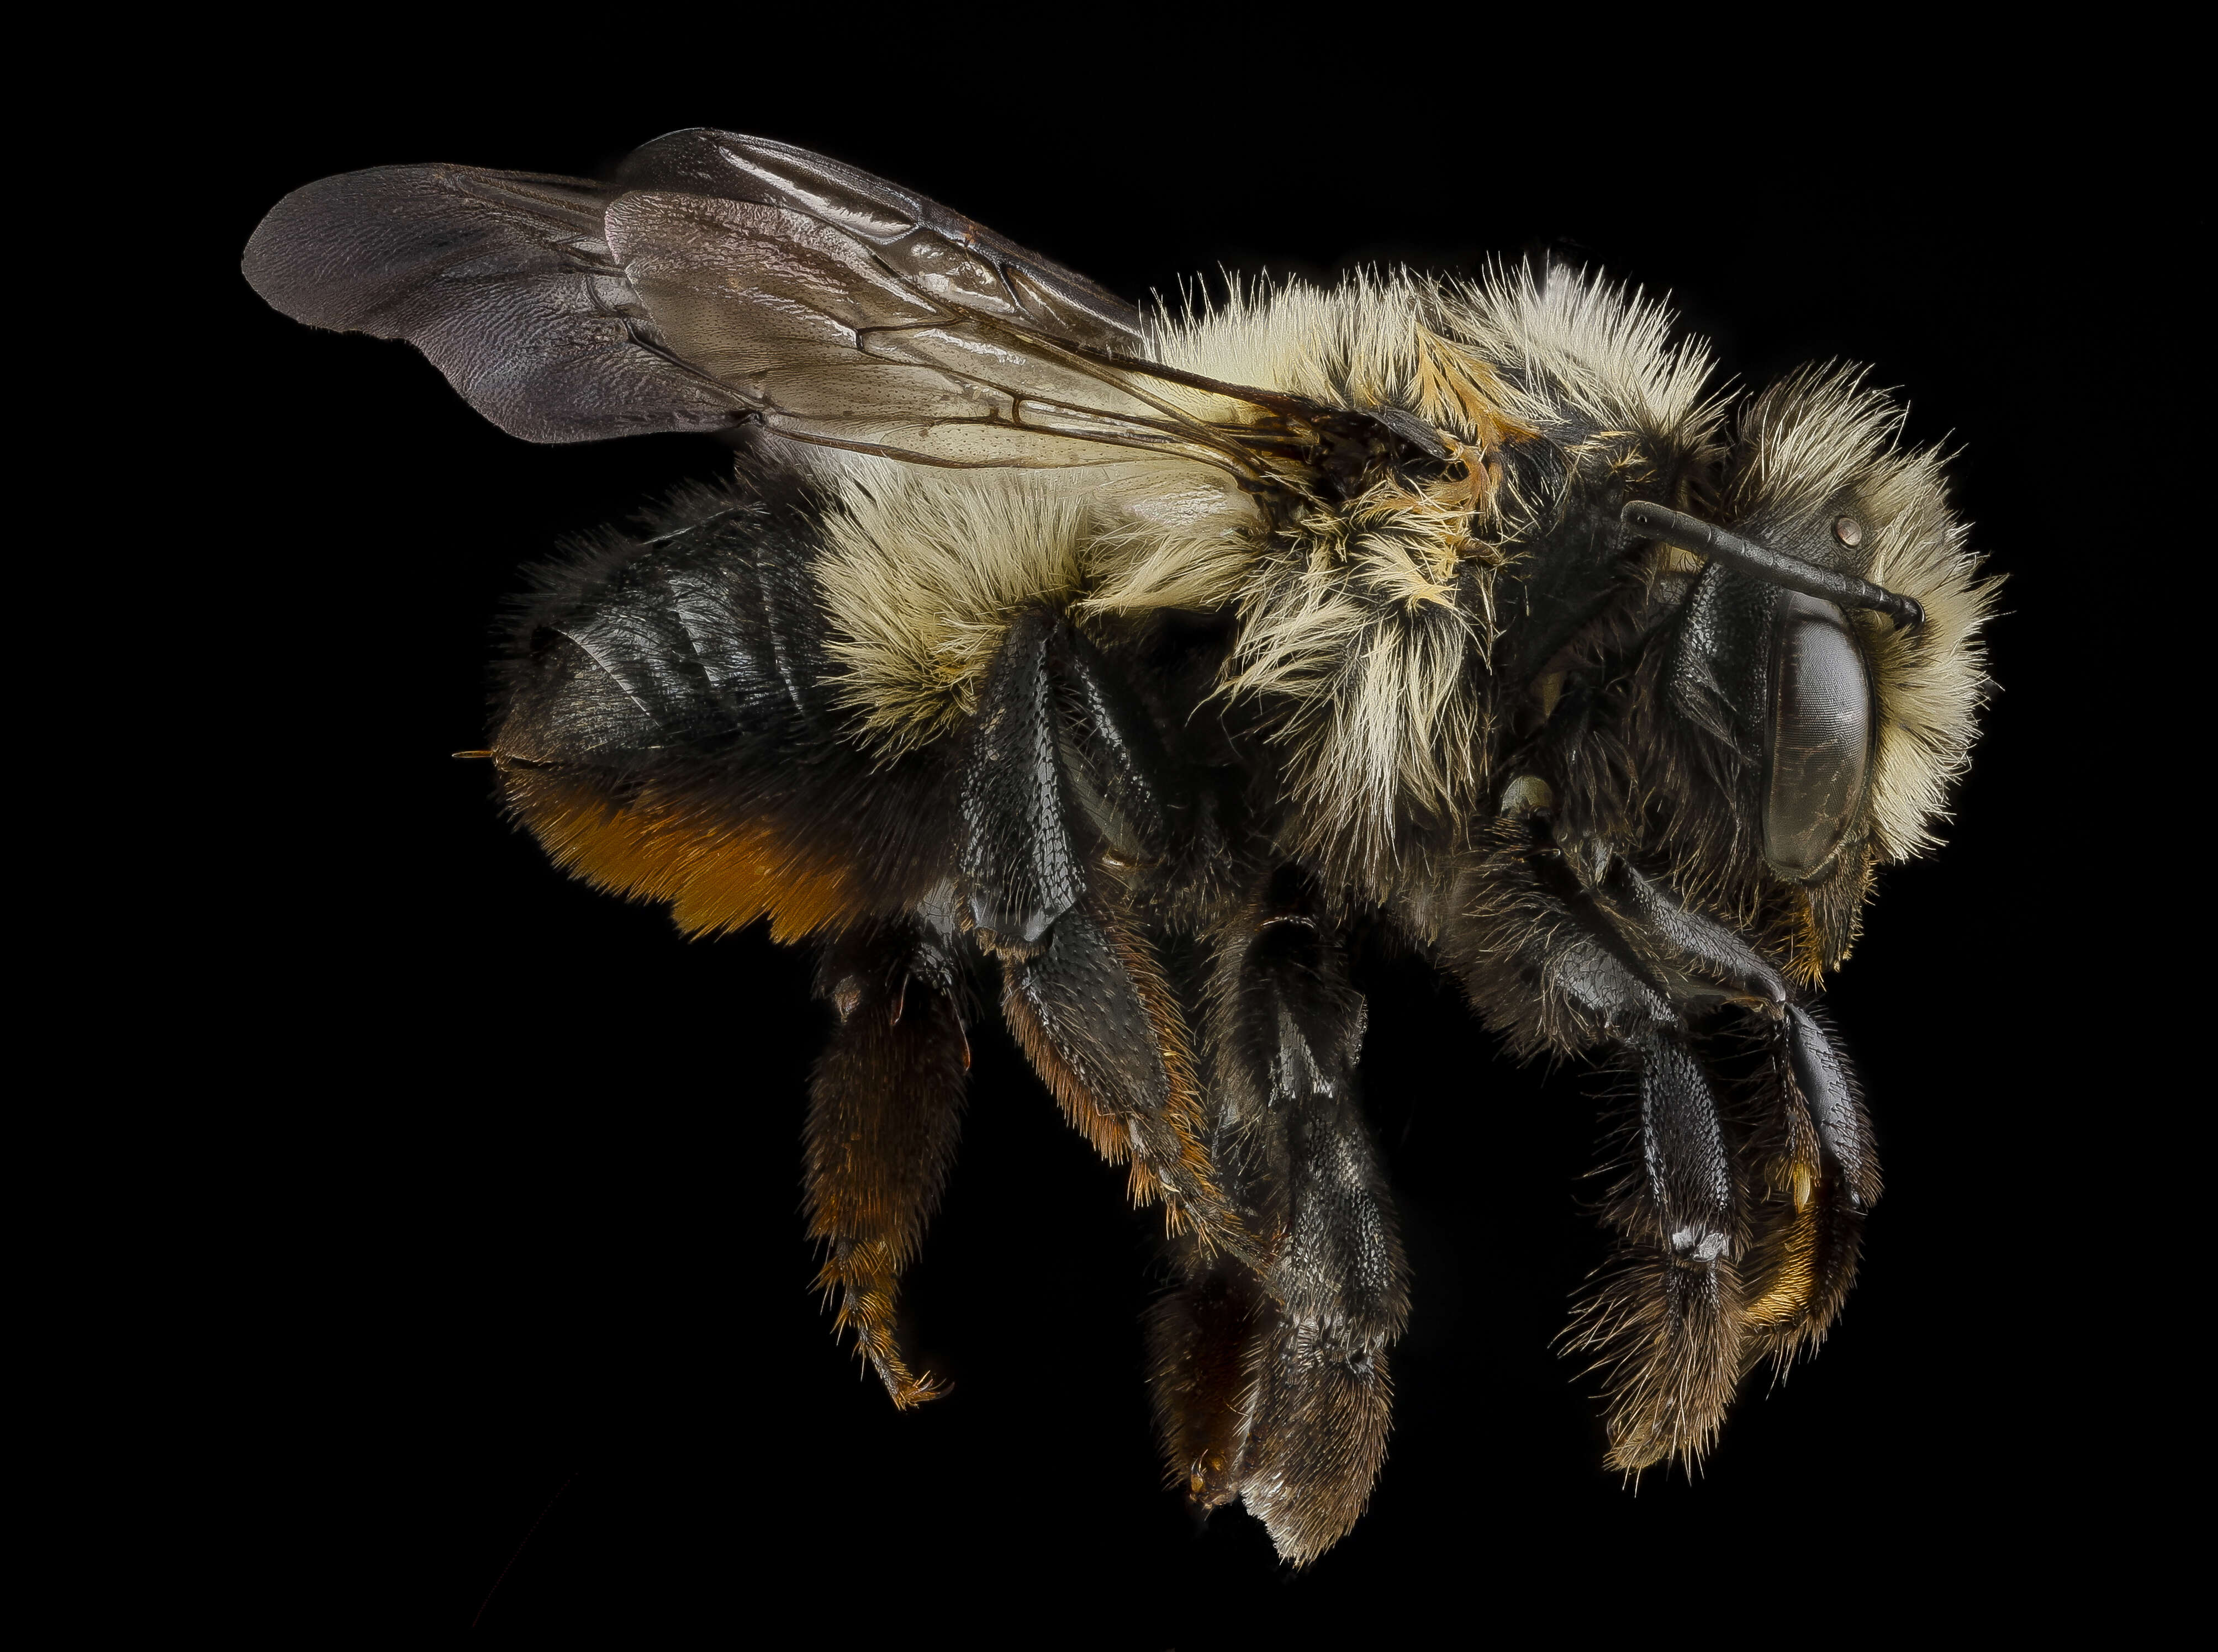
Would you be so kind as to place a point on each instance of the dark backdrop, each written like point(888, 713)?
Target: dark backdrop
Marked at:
point(524, 1257)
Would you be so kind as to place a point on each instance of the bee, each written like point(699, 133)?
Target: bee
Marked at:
point(1119, 665)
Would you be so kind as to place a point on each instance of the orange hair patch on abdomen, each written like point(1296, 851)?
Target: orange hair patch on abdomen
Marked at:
point(716, 873)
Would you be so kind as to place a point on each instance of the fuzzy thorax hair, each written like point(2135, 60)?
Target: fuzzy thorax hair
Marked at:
point(1363, 623)
point(1363, 627)
point(926, 566)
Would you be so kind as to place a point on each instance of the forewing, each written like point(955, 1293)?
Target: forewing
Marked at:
point(725, 279)
point(809, 326)
point(940, 252)
point(503, 279)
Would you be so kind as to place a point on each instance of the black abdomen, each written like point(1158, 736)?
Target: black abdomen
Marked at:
point(670, 730)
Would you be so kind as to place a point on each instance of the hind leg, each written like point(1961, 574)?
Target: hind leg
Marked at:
point(1082, 991)
point(885, 1105)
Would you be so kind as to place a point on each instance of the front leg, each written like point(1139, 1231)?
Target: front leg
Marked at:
point(1740, 1222)
point(1546, 964)
point(1814, 1160)
point(1664, 1319)
point(1804, 1156)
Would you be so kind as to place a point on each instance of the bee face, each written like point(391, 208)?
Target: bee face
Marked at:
point(1818, 702)
point(1781, 677)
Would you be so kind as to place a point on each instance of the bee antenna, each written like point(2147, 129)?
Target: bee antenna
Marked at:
point(1720, 545)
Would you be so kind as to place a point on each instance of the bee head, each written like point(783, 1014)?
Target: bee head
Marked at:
point(1831, 641)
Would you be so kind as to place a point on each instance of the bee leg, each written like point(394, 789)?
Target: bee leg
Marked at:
point(1093, 1016)
point(1664, 1319)
point(1270, 1366)
point(884, 1106)
point(1814, 1175)
point(1021, 868)
point(1199, 1380)
point(1807, 1170)
point(1126, 784)
point(1082, 991)
point(1547, 951)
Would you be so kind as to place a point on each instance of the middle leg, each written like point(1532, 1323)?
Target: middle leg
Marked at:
point(1270, 1363)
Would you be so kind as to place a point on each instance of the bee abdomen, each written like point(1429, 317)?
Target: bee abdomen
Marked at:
point(704, 633)
point(667, 734)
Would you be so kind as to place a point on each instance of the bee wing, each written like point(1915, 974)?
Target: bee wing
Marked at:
point(938, 250)
point(505, 280)
point(724, 279)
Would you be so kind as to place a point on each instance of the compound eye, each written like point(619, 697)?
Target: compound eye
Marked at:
point(1819, 751)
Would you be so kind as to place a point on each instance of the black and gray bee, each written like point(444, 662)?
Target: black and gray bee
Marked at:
point(1119, 663)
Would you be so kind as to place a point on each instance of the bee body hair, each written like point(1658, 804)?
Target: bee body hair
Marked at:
point(1120, 669)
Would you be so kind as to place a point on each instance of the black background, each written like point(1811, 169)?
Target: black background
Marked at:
point(523, 1255)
